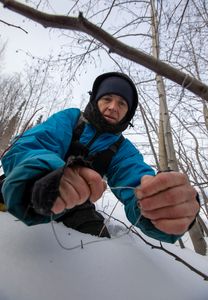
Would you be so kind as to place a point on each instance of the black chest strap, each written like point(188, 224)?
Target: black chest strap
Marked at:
point(101, 160)
point(78, 154)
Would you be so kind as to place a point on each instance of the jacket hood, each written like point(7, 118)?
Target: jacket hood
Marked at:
point(92, 113)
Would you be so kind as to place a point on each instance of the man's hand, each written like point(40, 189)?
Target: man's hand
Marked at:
point(76, 186)
point(169, 201)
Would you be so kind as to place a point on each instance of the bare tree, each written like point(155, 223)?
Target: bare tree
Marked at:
point(81, 24)
point(180, 56)
point(10, 108)
point(26, 97)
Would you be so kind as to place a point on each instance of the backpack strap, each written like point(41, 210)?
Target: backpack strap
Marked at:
point(78, 154)
point(76, 148)
point(79, 128)
point(101, 160)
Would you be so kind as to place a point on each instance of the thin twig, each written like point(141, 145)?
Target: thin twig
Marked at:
point(12, 25)
point(161, 247)
point(179, 27)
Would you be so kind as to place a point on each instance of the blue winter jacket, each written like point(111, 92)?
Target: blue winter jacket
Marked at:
point(42, 149)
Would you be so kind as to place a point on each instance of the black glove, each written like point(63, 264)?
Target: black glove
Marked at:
point(45, 191)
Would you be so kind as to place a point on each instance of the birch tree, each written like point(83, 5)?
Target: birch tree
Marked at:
point(81, 24)
point(127, 43)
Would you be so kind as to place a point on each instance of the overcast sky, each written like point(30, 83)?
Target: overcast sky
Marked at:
point(38, 42)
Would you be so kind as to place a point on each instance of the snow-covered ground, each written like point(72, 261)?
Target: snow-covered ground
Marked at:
point(34, 266)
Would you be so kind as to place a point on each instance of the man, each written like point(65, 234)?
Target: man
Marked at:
point(39, 181)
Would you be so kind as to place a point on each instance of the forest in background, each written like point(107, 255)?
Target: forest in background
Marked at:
point(171, 123)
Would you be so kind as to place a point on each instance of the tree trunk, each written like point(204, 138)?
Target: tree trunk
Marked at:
point(167, 155)
point(114, 45)
point(198, 240)
point(205, 111)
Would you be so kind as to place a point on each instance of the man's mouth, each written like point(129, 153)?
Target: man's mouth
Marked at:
point(110, 118)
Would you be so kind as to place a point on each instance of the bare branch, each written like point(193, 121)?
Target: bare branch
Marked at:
point(179, 27)
point(162, 248)
point(8, 24)
point(114, 45)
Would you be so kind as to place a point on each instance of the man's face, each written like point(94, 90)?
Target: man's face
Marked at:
point(113, 108)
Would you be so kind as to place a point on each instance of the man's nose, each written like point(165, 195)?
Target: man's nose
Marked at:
point(113, 106)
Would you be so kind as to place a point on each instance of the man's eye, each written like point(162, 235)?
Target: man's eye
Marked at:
point(106, 98)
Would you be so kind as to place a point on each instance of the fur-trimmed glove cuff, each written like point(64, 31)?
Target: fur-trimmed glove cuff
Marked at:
point(45, 191)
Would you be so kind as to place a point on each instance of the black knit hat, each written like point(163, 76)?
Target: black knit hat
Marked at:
point(99, 89)
point(116, 85)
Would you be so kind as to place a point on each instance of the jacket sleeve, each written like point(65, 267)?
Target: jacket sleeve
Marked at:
point(36, 153)
point(126, 170)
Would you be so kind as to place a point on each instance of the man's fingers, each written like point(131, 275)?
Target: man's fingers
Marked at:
point(173, 226)
point(73, 188)
point(168, 201)
point(147, 179)
point(95, 183)
point(76, 186)
point(170, 197)
point(171, 212)
point(151, 185)
point(59, 206)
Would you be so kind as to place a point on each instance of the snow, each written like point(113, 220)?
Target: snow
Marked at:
point(34, 266)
